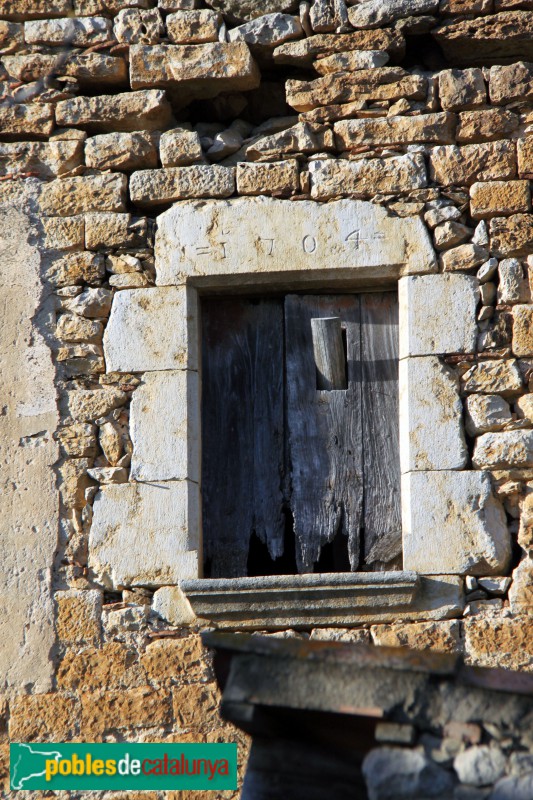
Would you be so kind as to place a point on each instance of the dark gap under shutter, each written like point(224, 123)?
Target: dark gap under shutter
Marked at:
point(324, 433)
point(242, 430)
point(382, 516)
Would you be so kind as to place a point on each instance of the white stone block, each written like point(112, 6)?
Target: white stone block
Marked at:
point(431, 428)
point(261, 237)
point(504, 449)
point(486, 412)
point(172, 605)
point(437, 314)
point(453, 524)
point(145, 534)
point(165, 427)
point(152, 329)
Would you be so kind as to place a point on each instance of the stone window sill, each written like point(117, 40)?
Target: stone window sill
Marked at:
point(333, 599)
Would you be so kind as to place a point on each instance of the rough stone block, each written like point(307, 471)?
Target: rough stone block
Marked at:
point(69, 31)
point(503, 643)
point(153, 187)
point(20, 121)
point(104, 230)
point(142, 707)
point(138, 26)
point(75, 268)
point(193, 27)
point(303, 51)
point(145, 534)
point(386, 767)
point(511, 82)
point(499, 198)
point(195, 71)
point(511, 281)
point(165, 427)
point(504, 450)
point(111, 666)
point(268, 30)
point(521, 591)
point(511, 236)
point(170, 604)
point(131, 111)
point(366, 177)
point(172, 660)
point(121, 151)
point(486, 39)
point(283, 236)
point(281, 178)
point(152, 329)
point(351, 60)
point(461, 89)
point(64, 233)
point(426, 128)
point(422, 300)
point(493, 377)
point(465, 165)
point(486, 125)
point(69, 196)
point(463, 258)
point(34, 9)
point(304, 137)
point(179, 148)
point(523, 330)
point(375, 13)
point(43, 159)
point(88, 68)
point(78, 616)
point(525, 157)
point(44, 718)
point(431, 428)
point(453, 524)
point(441, 637)
point(486, 412)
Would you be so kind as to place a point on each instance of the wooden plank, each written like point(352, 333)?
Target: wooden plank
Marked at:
point(329, 353)
point(379, 354)
point(242, 430)
point(324, 433)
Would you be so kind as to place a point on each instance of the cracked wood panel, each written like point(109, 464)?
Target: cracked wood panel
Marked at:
point(242, 430)
point(379, 371)
point(324, 433)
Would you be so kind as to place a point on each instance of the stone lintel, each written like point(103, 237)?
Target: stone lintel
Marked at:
point(336, 599)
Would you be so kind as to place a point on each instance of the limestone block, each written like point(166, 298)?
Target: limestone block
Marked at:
point(86, 405)
point(92, 303)
point(486, 126)
point(131, 111)
point(523, 330)
point(193, 27)
point(34, 9)
point(450, 234)
point(111, 7)
point(465, 165)
point(269, 30)
point(152, 187)
point(18, 119)
point(422, 300)
point(499, 198)
point(87, 68)
point(195, 71)
point(511, 278)
point(525, 156)
point(244, 10)
point(165, 427)
point(170, 604)
point(44, 717)
point(75, 268)
point(461, 89)
point(485, 39)
point(304, 51)
point(374, 13)
point(145, 534)
point(351, 60)
point(480, 765)
point(121, 151)
point(78, 616)
point(44, 159)
point(441, 637)
point(179, 148)
point(304, 137)
point(503, 450)
point(524, 407)
point(463, 258)
point(10, 33)
point(69, 196)
point(511, 82)
point(430, 128)
point(78, 440)
point(138, 26)
point(69, 31)
point(152, 329)
point(493, 377)
point(347, 237)
point(64, 233)
point(387, 767)
point(503, 643)
point(104, 230)
point(366, 177)
point(486, 412)
point(73, 480)
point(431, 428)
point(72, 328)
point(511, 236)
point(452, 524)
point(384, 83)
point(281, 178)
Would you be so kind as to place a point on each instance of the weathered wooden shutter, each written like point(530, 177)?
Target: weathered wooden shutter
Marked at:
point(274, 444)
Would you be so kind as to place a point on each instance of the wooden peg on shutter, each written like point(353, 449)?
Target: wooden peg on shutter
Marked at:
point(329, 354)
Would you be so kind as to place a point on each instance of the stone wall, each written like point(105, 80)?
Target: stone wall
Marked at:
point(111, 111)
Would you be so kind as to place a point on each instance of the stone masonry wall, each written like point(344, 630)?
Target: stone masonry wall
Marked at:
point(111, 111)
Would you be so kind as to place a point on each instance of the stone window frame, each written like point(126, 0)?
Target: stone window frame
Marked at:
point(204, 246)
